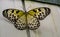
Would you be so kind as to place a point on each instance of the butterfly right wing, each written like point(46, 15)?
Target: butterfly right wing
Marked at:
point(34, 15)
point(17, 17)
point(41, 12)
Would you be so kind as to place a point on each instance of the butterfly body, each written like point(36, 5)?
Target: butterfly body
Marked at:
point(23, 20)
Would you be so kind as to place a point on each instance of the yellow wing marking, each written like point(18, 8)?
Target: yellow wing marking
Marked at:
point(40, 13)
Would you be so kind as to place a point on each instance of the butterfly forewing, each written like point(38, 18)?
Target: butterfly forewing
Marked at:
point(40, 13)
point(16, 16)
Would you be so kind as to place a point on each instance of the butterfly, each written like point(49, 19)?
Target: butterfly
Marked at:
point(26, 20)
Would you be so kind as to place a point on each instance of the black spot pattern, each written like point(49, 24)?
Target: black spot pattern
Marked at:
point(17, 11)
point(42, 12)
point(5, 14)
point(12, 11)
point(39, 9)
point(34, 10)
point(34, 26)
point(20, 26)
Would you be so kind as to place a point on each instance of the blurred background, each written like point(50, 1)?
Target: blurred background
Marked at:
point(49, 27)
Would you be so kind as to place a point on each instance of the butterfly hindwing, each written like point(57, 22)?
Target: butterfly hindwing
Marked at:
point(33, 23)
point(21, 23)
point(16, 16)
point(40, 13)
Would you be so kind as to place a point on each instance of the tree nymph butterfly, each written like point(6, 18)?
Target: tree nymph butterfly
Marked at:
point(30, 19)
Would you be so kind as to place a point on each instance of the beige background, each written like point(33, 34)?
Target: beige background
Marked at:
point(49, 27)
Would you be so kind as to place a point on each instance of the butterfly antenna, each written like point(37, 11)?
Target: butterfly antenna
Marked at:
point(27, 30)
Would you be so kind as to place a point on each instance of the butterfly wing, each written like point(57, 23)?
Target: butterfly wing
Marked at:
point(40, 13)
point(17, 17)
point(33, 23)
point(35, 15)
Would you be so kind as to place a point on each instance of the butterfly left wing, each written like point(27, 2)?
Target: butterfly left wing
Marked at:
point(17, 17)
point(40, 13)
